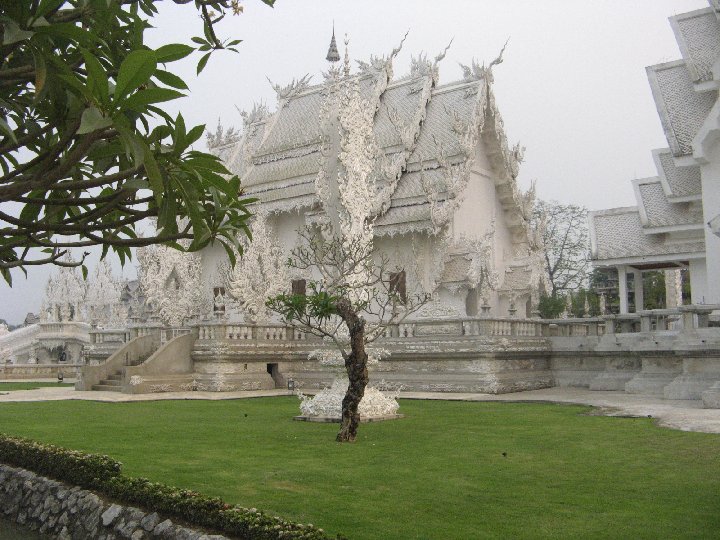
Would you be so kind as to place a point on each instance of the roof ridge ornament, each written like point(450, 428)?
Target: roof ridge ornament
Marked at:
point(477, 72)
point(346, 67)
point(291, 89)
point(378, 64)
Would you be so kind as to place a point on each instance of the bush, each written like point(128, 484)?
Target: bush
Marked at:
point(79, 468)
point(102, 474)
point(550, 307)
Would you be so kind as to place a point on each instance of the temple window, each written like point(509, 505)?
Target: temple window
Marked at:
point(218, 299)
point(299, 286)
point(397, 285)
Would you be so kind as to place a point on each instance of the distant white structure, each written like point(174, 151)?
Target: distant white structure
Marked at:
point(677, 218)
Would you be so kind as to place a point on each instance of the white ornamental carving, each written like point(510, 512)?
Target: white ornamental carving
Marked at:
point(260, 273)
point(171, 281)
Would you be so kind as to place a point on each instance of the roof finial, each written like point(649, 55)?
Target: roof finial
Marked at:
point(347, 57)
point(333, 55)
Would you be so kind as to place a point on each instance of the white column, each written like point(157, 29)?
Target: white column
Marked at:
point(622, 280)
point(699, 282)
point(711, 208)
point(673, 288)
point(638, 285)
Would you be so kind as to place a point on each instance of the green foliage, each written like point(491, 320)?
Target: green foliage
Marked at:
point(87, 470)
point(319, 305)
point(102, 474)
point(580, 298)
point(551, 307)
point(86, 150)
point(654, 290)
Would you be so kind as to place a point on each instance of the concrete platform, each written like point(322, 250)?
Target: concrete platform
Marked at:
point(685, 415)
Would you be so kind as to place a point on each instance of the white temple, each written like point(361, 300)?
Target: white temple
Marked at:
point(676, 219)
point(444, 200)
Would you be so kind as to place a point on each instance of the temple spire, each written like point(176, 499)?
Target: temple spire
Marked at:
point(333, 55)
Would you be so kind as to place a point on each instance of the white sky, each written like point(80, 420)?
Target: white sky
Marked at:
point(572, 88)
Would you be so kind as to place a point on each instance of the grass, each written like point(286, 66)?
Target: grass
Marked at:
point(32, 385)
point(438, 473)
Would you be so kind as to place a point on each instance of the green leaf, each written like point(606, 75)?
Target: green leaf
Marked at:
point(154, 176)
point(203, 62)
point(170, 79)
point(13, 33)
point(135, 70)
point(136, 183)
point(230, 253)
point(47, 6)
point(92, 119)
point(40, 72)
point(97, 79)
point(194, 134)
point(7, 130)
point(71, 32)
point(173, 52)
point(140, 99)
point(84, 272)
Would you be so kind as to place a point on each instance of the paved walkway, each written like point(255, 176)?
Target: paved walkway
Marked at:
point(684, 415)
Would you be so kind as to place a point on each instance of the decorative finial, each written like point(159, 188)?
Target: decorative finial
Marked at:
point(333, 55)
point(347, 57)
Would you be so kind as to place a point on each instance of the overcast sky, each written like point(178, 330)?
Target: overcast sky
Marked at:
point(572, 88)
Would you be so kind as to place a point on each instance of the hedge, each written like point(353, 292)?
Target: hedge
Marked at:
point(102, 474)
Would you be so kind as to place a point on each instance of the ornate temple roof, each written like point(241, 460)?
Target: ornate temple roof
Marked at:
point(679, 183)
point(668, 220)
point(681, 108)
point(698, 36)
point(426, 133)
point(618, 235)
point(656, 211)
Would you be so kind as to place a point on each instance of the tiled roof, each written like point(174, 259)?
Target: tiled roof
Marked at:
point(657, 211)
point(297, 123)
point(439, 130)
point(698, 36)
point(421, 128)
point(619, 234)
point(280, 169)
point(517, 278)
point(679, 182)
point(681, 108)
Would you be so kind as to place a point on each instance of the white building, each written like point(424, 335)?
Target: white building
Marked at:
point(676, 220)
point(445, 204)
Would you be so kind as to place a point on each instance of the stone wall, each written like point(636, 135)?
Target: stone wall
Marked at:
point(65, 512)
point(36, 371)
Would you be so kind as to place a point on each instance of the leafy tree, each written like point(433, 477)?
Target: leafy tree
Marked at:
point(564, 231)
point(357, 289)
point(86, 151)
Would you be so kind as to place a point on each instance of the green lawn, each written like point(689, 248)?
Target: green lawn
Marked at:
point(438, 473)
point(31, 385)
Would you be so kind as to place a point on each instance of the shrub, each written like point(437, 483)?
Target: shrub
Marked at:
point(550, 307)
point(102, 474)
point(86, 470)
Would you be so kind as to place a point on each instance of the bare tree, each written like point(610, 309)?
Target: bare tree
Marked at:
point(357, 287)
point(564, 233)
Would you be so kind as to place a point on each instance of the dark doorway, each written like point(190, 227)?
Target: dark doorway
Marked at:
point(272, 370)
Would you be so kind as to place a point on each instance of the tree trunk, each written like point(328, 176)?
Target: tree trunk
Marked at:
point(356, 367)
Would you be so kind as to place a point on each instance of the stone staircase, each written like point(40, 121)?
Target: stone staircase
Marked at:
point(112, 384)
